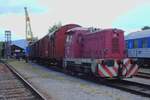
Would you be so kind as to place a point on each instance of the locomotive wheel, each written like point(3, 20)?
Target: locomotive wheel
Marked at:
point(69, 71)
point(65, 71)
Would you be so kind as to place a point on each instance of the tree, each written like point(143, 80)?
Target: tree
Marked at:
point(145, 28)
point(54, 27)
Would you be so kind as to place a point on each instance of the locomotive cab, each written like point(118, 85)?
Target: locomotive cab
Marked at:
point(100, 52)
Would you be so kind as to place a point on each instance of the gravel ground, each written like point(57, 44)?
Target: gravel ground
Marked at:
point(58, 86)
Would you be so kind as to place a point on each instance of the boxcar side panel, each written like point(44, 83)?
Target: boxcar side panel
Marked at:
point(59, 43)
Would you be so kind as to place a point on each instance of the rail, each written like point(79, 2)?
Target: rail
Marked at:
point(24, 82)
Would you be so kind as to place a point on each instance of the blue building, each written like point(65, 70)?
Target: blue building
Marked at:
point(20, 43)
point(18, 47)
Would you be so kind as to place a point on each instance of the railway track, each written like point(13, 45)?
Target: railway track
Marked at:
point(13, 86)
point(143, 75)
point(132, 87)
point(129, 86)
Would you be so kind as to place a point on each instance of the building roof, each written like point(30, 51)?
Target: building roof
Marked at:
point(17, 47)
point(20, 43)
point(138, 34)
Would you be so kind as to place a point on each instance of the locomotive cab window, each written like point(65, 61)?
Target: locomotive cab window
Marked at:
point(69, 38)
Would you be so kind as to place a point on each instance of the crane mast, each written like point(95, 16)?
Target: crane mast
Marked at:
point(28, 31)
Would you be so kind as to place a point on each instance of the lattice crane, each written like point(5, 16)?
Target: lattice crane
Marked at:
point(29, 34)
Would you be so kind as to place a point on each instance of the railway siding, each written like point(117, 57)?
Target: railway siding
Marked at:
point(56, 85)
point(144, 70)
point(11, 87)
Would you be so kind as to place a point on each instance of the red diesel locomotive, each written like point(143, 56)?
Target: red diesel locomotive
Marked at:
point(86, 50)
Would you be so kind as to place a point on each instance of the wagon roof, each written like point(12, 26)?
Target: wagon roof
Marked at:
point(138, 34)
point(77, 28)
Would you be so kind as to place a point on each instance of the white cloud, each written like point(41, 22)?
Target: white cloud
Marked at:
point(98, 13)
point(15, 6)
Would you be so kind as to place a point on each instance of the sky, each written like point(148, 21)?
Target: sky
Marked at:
point(129, 15)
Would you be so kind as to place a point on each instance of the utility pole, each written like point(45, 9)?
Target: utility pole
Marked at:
point(7, 51)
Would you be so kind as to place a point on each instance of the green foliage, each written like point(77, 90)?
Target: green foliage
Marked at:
point(54, 27)
point(146, 27)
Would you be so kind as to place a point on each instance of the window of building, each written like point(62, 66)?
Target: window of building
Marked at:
point(135, 43)
point(144, 43)
point(130, 44)
point(127, 44)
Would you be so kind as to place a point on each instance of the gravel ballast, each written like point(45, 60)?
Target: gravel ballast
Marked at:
point(59, 86)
